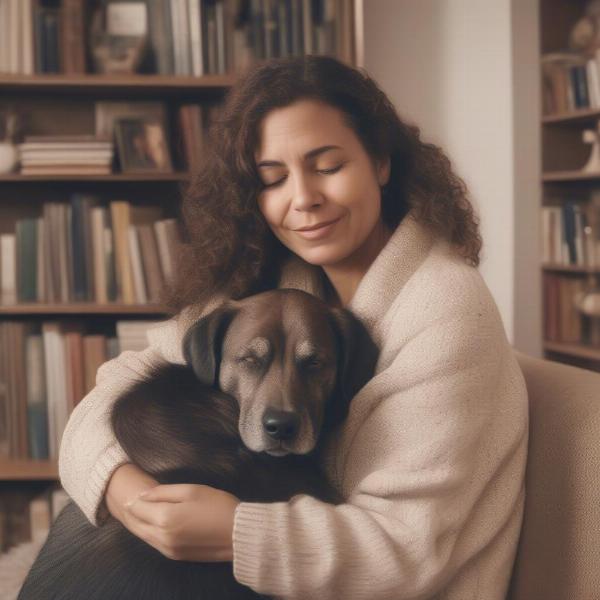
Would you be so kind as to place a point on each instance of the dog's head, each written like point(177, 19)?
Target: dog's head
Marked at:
point(292, 363)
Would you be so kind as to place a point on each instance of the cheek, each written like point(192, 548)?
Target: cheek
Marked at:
point(272, 210)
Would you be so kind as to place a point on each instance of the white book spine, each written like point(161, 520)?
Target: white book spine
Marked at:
point(593, 82)
point(8, 267)
point(15, 51)
point(27, 36)
point(195, 29)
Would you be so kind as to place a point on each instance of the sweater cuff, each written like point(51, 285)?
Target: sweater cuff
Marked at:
point(92, 503)
point(250, 535)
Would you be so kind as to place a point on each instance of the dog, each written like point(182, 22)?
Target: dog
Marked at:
point(266, 379)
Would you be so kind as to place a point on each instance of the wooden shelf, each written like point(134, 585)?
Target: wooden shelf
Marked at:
point(25, 470)
point(559, 176)
point(578, 350)
point(119, 84)
point(117, 177)
point(82, 308)
point(588, 115)
point(571, 269)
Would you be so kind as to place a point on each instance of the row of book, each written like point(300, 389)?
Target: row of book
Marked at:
point(27, 517)
point(564, 320)
point(570, 82)
point(570, 234)
point(82, 251)
point(45, 370)
point(229, 35)
point(186, 37)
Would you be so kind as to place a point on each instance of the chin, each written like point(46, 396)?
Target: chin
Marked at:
point(321, 257)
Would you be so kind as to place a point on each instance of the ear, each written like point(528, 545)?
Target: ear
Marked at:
point(202, 344)
point(357, 357)
point(383, 171)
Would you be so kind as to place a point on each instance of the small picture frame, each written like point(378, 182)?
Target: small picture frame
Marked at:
point(142, 146)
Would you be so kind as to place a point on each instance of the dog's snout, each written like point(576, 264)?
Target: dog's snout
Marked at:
point(281, 424)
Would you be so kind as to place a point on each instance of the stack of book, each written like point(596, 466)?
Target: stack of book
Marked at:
point(84, 252)
point(66, 155)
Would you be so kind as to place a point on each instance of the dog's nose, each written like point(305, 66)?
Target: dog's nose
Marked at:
point(281, 424)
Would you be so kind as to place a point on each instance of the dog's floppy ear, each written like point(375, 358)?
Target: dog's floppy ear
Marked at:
point(202, 344)
point(357, 357)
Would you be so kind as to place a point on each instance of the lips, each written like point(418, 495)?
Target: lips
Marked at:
point(318, 231)
point(317, 226)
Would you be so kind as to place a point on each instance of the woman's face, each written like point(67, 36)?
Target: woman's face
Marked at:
point(322, 197)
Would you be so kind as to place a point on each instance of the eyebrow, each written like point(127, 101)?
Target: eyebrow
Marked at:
point(310, 154)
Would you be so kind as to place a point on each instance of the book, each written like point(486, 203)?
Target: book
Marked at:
point(37, 404)
point(94, 351)
point(139, 283)
point(56, 384)
point(121, 219)
point(73, 36)
point(8, 267)
point(99, 269)
point(151, 262)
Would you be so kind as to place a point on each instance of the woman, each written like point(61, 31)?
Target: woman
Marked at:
point(314, 182)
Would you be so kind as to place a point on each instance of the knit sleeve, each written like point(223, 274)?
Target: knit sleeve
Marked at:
point(432, 468)
point(89, 452)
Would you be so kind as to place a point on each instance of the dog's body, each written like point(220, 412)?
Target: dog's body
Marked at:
point(257, 441)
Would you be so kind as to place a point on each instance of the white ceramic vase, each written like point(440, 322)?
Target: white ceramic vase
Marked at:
point(9, 157)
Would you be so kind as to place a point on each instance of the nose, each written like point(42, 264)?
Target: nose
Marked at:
point(280, 424)
point(306, 196)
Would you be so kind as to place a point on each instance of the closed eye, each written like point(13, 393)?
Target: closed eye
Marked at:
point(331, 171)
point(320, 171)
point(275, 183)
point(250, 361)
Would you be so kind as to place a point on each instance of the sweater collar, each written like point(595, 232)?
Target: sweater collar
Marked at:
point(398, 260)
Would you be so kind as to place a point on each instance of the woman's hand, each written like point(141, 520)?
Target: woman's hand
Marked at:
point(185, 521)
point(124, 486)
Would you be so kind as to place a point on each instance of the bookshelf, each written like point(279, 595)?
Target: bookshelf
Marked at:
point(570, 204)
point(66, 104)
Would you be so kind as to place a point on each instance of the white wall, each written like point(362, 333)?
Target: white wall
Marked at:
point(451, 66)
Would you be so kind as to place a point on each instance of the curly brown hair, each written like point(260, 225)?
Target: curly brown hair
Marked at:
point(228, 247)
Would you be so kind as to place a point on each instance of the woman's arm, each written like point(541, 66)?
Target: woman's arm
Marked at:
point(432, 465)
point(89, 452)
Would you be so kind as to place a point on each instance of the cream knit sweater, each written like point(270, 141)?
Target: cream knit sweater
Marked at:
point(431, 459)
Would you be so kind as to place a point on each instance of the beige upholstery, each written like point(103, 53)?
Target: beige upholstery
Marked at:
point(559, 549)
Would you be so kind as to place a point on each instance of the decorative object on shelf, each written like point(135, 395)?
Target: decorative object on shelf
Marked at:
point(592, 136)
point(588, 302)
point(585, 34)
point(119, 37)
point(9, 156)
point(142, 146)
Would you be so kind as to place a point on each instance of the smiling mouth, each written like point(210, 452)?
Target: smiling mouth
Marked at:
point(318, 226)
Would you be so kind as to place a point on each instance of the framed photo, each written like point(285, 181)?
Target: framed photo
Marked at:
point(107, 113)
point(142, 146)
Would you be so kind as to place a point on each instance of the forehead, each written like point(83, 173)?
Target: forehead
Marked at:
point(281, 322)
point(301, 126)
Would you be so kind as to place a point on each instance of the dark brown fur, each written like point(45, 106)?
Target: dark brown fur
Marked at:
point(182, 430)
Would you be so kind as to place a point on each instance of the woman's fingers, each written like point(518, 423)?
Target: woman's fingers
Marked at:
point(176, 492)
